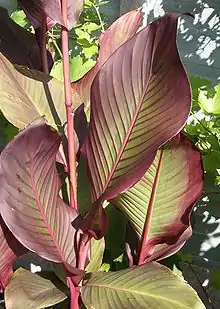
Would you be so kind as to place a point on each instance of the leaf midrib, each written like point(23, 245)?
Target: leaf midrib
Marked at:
point(119, 289)
point(41, 208)
point(129, 131)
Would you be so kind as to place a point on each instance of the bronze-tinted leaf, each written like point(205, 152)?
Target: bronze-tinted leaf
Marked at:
point(160, 204)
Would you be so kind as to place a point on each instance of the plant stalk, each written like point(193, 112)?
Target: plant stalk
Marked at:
point(83, 251)
point(99, 17)
point(74, 295)
point(142, 253)
point(69, 110)
point(40, 34)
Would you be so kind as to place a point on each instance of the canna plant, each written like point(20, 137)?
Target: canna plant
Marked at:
point(137, 99)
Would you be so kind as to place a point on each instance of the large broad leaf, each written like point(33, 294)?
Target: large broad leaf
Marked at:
point(118, 33)
point(35, 9)
point(148, 286)
point(24, 98)
point(160, 204)
point(29, 188)
point(27, 290)
point(10, 249)
point(19, 45)
point(140, 99)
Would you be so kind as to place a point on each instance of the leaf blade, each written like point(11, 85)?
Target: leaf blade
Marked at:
point(97, 252)
point(33, 290)
point(147, 286)
point(28, 96)
point(116, 35)
point(30, 203)
point(36, 9)
point(160, 204)
point(10, 249)
point(140, 110)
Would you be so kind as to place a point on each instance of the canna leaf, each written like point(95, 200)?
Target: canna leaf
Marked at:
point(37, 9)
point(97, 252)
point(10, 249)
point(33, 290)
point(140, 99)
point(29, 188)
point(25, 97)
point(18, 45)
point(160, 204)
point(35, 13)
point(148, 286)
point(118, 33)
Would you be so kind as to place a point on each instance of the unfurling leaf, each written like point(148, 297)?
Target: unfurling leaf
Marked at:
point(28, 290)
point(160, 204)
point(148, 286)
point(29, 188)
point(116, 35)
point(136, 107)
point(10, 249)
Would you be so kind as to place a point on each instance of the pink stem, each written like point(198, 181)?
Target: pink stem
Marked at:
point(83, 251)
point(145, 235)
point(69, 111)
point(74, 295)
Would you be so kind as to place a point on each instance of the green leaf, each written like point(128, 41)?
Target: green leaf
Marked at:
point(198, 83)
point(90, 52)
point(27, 290)
point(20, 18)
point(97, 252)
point(148, 286)
point(77, 68)
point(210, 104)
point(24, 98)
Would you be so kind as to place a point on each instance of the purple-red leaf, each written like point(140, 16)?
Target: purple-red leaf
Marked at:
point(10, 249)
point(118, 33)
point(160, 204)
point(29, 188)
point(36, 10)
point(140, 99)
point(18, 45)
